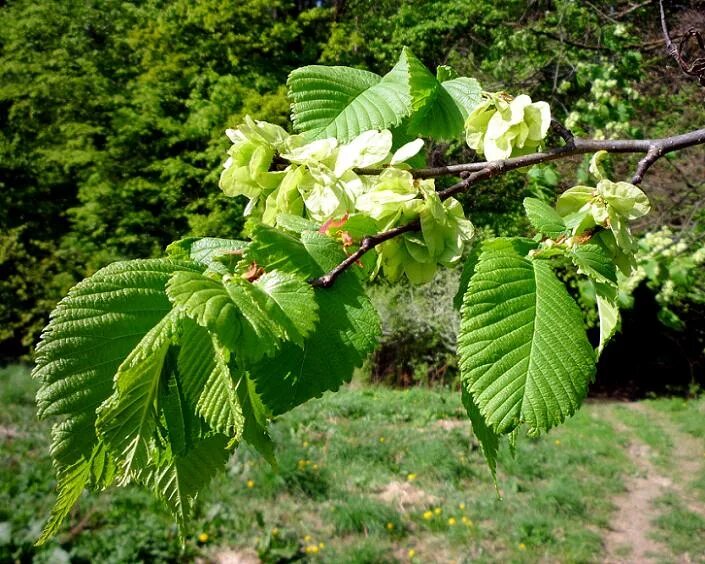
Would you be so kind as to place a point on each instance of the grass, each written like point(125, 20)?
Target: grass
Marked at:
point(681, 529)
point(367, 475)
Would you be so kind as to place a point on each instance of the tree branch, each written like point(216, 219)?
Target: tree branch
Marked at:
point(471, 173)
point(670, 47)
point(575, 146)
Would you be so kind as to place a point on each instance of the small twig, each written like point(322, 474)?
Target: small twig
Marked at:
point(652, 155)
point(682, 174)
point(628, 11)
point(565, 41)
point(79, 527)
point(564, 133)
point(670, 47)
point(367, 243)
point(696, 207)
point(601, 13)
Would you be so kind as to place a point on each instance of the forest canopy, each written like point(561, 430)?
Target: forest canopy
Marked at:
point(112, 114)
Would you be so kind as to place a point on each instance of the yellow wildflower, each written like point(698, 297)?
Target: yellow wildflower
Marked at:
point(305, 444)
point(307, 538)
point(315, 466)
point(390, 526)
point(312, 549)
point(556, 442)
point(461, 506)
point(451, 521)
point(275, 532)
point(411, 553)
point(522, 546)
point(250, 484)
point(437, 510)
point(467, 521)
point(381, 439)
point(428, 515)
point(203, 538)
point(411, 476)
point(321, 545)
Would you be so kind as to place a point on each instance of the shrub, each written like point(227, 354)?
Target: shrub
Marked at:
point(419, 330)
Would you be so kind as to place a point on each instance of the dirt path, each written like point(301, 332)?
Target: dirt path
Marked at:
point(629, 538)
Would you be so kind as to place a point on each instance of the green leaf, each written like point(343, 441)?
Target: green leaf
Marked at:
point(94, 328)
point(206, 381)
point(255, 432)
point(91, 332)
point(343, 102)
point(174, 406)
point(273, 250)
point(208, 251)
point(523, 351)
point(466, 94)
point(295, 223)
point(261, 334)
point(73, 438)
point(607, 242)
point(178, 478)
point(439, 108)
point(102, 466)
point(195, 361)
point(608, 312)
point(513, 245)
point(207, 302)
point(289, 301)
point(249, 318)
point(71, 482)
point(346, 332)
point(489, 440)
point(126, 421)
point(189, 453)
point(325, 251)
point(593, 261)
point(544, 218)
point(218, 403)
point(573, 199)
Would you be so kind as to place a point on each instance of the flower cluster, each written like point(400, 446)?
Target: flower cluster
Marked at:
point(434, 517)
point(610, 205)
point(311, 546)
point(502, 127)
point(321, 180)
point(397, 199)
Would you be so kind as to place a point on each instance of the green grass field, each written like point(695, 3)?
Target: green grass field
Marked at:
point(370, 475)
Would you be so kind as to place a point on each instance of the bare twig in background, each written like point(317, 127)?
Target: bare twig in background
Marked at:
point(694, 68)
